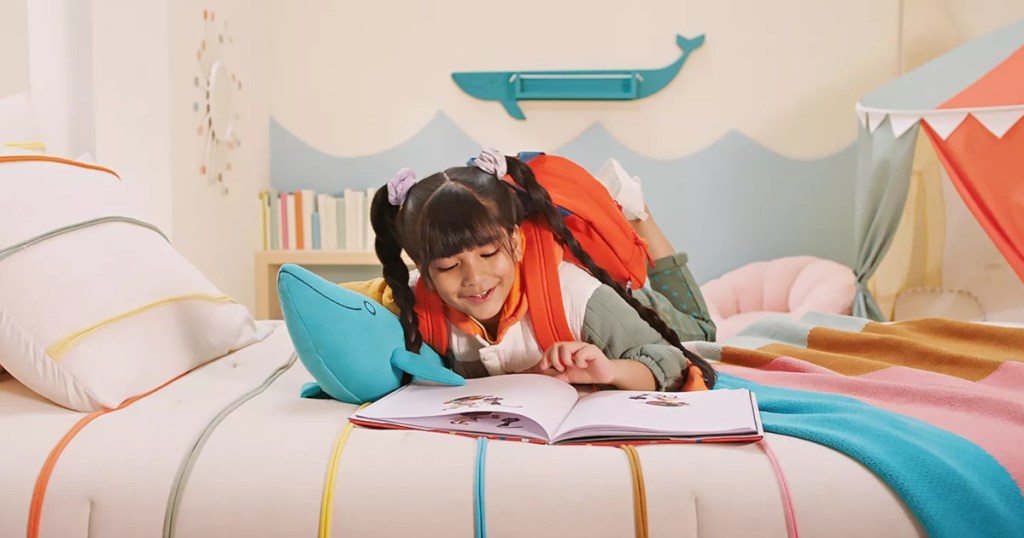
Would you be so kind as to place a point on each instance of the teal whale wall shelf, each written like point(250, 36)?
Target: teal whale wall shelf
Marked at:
point(510, 87)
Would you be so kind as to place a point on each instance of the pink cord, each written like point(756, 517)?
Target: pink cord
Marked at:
point(787, 501)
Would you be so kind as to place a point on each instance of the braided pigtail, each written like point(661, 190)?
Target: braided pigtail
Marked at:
point(383, 216)
point(541, 202)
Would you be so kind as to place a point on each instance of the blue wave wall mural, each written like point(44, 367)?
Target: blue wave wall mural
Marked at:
point(731, 203)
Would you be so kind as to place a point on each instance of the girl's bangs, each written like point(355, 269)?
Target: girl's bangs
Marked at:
point(464, 223)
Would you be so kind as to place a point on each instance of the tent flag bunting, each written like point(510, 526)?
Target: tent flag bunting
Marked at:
point(997, 120)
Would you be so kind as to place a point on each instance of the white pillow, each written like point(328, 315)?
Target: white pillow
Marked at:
point(18, 125)
point(95, 305)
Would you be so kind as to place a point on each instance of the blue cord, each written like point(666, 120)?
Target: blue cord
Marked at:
point(478, 504)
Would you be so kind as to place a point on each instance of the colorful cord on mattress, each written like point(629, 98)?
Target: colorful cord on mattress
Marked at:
point(327, 502)
point(639, 491)
point(189, 461)
point(479, 487)
point(935, 408)
point(181, 478)
point(35, 512)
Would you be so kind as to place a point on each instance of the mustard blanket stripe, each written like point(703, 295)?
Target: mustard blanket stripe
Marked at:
point(639, 492)
point(332, 470)
point(58, 349)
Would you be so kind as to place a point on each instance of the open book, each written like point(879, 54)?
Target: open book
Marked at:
point(542, 409)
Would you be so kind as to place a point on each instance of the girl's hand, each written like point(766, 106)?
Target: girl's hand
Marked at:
point(577, 362)
point(583, 363)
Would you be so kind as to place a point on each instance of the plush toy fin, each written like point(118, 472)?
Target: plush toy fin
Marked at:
point(424, 370)
point(312, 390)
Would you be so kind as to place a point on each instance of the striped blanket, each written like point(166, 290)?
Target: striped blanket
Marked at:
point(934, 407)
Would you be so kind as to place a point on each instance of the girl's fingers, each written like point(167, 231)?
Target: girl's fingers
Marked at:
point(585, 355)
point(565, 354)
point(553, 358)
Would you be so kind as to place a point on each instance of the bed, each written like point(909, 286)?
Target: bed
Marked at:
point(231, 450)
point(137, 400)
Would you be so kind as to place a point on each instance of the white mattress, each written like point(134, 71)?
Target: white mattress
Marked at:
point(261, 472)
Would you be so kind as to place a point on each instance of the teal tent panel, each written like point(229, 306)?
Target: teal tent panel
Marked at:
point(935, 82)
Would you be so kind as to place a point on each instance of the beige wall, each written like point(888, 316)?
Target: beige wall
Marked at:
point(215, 231)
point(786, 73)
point(355, 78)
point(145, 63)
point(131, 99)
point(13, 47)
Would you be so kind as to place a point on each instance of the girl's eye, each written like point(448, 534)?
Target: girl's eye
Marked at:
point(444, 268)
point(489, 254)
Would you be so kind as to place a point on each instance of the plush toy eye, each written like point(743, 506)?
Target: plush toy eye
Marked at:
point(368, 306)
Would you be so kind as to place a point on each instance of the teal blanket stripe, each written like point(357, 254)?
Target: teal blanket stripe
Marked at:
point(479, 517)
point(185, 469)
point(953, 487)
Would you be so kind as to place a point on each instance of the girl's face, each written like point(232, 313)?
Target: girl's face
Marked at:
point(476, 281)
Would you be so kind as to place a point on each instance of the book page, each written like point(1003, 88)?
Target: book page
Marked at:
point(483, 422)
point(682, 414)
point(472, 407)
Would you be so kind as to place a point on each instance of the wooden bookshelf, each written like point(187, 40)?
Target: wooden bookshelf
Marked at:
point(269, 262)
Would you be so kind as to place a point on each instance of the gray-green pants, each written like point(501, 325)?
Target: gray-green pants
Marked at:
point(676, 297)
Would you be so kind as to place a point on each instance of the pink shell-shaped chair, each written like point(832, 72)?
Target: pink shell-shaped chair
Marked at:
point(792, 286)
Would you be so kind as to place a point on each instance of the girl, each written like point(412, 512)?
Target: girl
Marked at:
point(461, 228)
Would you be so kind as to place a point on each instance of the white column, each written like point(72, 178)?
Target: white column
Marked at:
point(13, 47)
point(60, 74)
point(131, 90)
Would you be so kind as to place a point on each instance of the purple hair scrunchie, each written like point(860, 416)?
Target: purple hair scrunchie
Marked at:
point(398, 186)
point(492, 161)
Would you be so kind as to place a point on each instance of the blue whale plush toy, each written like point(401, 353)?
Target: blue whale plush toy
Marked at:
point(352, 345)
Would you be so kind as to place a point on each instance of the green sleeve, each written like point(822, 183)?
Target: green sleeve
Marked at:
point(618, 330)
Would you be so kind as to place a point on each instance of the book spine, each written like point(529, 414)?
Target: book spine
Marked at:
point(285, 232)
point(339, 222)
point(275, 220)
point(292, 232)
point(264, 220)
point(300, 231)
point(324, 217)
point(315, 221)
point(352, 241)
point(331, 227)
point(308, 207)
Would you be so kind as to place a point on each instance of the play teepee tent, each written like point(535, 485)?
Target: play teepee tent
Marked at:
point(968, 103)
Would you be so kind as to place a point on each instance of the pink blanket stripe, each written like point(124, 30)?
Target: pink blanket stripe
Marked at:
point(989, 412)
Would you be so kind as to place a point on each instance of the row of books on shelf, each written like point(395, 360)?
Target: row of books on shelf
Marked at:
point(308, 220)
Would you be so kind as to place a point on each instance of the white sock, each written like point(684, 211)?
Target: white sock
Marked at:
point(625, 189)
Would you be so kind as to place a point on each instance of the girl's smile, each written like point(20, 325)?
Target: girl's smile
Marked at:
point(480, 298)
point(476, 281)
